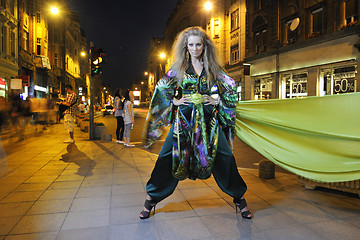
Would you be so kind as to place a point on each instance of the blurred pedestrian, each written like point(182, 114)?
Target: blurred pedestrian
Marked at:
point(197, 97)
point(69, 114)
point(35, 108)
point(4, 112)
point(128, 118)
point(26, 116)
point(82, 107)
point(15, 113)
point(119, 115)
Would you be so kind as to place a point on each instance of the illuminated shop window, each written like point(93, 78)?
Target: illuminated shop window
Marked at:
point(294, 85)
point(262, 88)
point(337, 80)
point(238, 90)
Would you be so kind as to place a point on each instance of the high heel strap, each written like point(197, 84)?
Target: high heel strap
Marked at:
point(241, 204)
point(149, 204)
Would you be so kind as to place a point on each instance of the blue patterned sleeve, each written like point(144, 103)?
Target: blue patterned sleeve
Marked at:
point(161, 108)
point(228, 100)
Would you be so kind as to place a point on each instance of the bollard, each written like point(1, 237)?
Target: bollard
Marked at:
point(266, 169)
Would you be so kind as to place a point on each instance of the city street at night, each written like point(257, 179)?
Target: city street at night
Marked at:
point(239, 120)
point(96, 189)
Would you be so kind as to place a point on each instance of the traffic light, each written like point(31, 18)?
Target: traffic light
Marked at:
point(97, 59)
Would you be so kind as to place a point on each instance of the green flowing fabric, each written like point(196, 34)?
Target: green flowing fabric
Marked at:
point(314, 137)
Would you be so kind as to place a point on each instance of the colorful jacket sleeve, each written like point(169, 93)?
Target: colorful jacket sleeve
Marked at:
point(161, 108)
point(228, 99)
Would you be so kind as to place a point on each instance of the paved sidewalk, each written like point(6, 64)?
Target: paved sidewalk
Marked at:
point(95, 190)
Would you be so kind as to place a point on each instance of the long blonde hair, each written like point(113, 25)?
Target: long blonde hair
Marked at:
point(181, 59)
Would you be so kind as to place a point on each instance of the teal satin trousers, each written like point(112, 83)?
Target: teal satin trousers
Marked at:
point(162, 183)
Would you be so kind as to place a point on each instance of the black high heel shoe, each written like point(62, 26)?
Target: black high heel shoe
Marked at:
point(241, 204)
point(149, 204)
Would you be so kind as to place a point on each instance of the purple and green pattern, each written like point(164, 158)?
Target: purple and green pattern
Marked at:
point(195, 135)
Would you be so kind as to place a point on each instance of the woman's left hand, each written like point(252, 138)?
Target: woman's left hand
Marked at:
point(208, 100)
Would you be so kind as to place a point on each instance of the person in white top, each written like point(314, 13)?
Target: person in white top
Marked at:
point(128, 118)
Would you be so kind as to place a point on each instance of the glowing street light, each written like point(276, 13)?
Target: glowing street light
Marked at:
point(83, 53)
point(146, 73)
point(54, 10)
point(162, 55)
point(142, 83)
point(208, 6)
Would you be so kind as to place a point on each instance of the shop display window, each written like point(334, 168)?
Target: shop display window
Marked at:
point(294, 85)
point(238, 90)
point(262, 88)
point(337, 80)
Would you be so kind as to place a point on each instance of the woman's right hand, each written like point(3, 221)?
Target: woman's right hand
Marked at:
point(182, 101)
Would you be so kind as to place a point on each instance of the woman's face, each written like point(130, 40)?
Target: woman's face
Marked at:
point(195, 46)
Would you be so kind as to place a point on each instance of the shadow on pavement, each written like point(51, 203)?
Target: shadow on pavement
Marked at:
point(74, 155)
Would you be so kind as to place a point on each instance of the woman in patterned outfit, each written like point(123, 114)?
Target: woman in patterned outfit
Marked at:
point(199, 99)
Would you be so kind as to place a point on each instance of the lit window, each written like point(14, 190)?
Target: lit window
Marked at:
point(38, 46)
point(294, 85)
point(337, 80)
point(38, 17)
point(12, 43)
point(262, 88)
point(56, 60)
point(317, 21)
point(351, 11)
point(234, 54)
point(235, 20)
point(260, 41)
point(216, 28)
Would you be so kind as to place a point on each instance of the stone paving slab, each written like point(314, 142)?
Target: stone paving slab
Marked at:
point(94, 190)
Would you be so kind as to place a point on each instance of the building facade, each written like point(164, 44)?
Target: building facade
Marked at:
point(227, 27)
point(301, 48)
point(224, 23)
point(8, 45)
point(156, 65)
point(282, 48)
point(34, 65)
point(68, 53)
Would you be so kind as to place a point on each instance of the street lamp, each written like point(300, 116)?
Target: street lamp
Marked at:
point(146, 73)
point(54, 10)
point(208, 6)
point(83, 53)
point(162, 55)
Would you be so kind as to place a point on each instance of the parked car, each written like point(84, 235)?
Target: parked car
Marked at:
point(108, 110)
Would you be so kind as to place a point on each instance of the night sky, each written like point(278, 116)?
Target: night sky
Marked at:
point(123, 29)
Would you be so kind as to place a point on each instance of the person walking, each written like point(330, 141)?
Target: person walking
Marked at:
point(128, 118)
point(198, 99)
point(69, 114)
point(82, 107)
point(119, 115)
